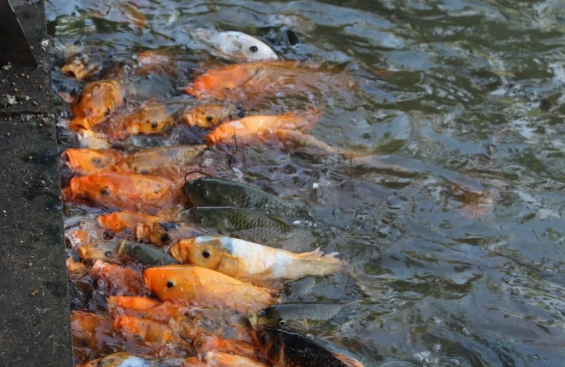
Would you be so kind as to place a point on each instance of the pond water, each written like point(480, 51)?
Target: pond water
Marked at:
point(453, 209)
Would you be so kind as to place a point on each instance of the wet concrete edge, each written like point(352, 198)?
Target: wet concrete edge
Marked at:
point(34, 300)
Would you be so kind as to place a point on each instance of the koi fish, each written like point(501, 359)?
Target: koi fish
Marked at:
point(163, 233)
point(89, 332)
point(218, 359)
point(209, 116)
point(214, 191)
point(150, 119)
point(88, 161)
point(149, 331)
point(96, 103)
point(146, 254)
point(118, 221)
point(147, 160)
point(203, 286)
point(252, 262)
point(233, 45)
point(283, 348)
point(244, 82)
point(125, 359)
point(92, 139)
point(253, 125)
point(100, 250)
point(118, 280)
point(126, 191)
point(78, 66)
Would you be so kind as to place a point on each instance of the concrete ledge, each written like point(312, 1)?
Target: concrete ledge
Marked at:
point(34, 302)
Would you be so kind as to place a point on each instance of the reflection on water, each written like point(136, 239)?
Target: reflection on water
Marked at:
point(456, 206)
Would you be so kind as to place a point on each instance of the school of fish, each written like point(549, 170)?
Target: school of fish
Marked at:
point(173, 265)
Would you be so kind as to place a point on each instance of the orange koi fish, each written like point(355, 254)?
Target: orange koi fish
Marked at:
point(118, 221)
point(252, 262)
point(100, 250)
point(267, 78)
point(78, 66)
point(151, 119)
point(253, 125)
point(147, 160)
point(119, 280)
point(127, 191)
point(210, 116)
point(217, 344)
point(206, 287)
point(96, 103)
point(89, 332)
point(163, 233)
point(217, 359)
point(149, 331)
point(88, 161)
point(75, 269)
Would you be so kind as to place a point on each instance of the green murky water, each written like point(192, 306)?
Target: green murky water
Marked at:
point(457, 208)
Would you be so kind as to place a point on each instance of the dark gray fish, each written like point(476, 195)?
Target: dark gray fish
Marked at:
point(213, 191)
point(299, 316)
point(286, 349)
point(146, 254)
point(248, 224)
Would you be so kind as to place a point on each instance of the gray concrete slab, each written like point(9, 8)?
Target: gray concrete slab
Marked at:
point(34, 303)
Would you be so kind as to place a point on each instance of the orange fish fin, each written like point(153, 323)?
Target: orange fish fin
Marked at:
point(318, 254)
point(350, 361)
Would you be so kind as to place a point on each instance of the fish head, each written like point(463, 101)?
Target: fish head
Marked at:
point(150, 120)
point(89, 160)
point(209, 116)
point(269, 317)
point(200, 192)
point(76, 66)
point(269, 343)
point(207, 254)
point(250, 49)
point(93, 186)
point(168, 282)
point(158, 233)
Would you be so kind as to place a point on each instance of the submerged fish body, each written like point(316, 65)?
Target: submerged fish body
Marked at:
point(125, 359)
point(249, 81)
point(213, 191)
point(252, 262)
point(148, 160)
point(233, 45)
point(206, 287)
point(218, 359)
point(210, 116)
point(299, 316)
point(146, 254)
point(119, 221)
point(251, 126)
point(96, 103)
point(127, 191)
point(286, 349)
point(249, 224)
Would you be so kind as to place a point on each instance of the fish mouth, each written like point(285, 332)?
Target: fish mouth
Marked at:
point(253, 320)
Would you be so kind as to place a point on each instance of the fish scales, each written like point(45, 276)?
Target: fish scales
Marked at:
point(286, 349)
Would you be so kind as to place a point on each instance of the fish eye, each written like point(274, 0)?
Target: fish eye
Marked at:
point(206, 254)
point(209, 118)
point(204, 193)
point(108, 254)
point(96, 160)
point(154, 124)
point(281, 323)
point(105, 192)
point(170, 283)
point(253, 49)
point(165, 237)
